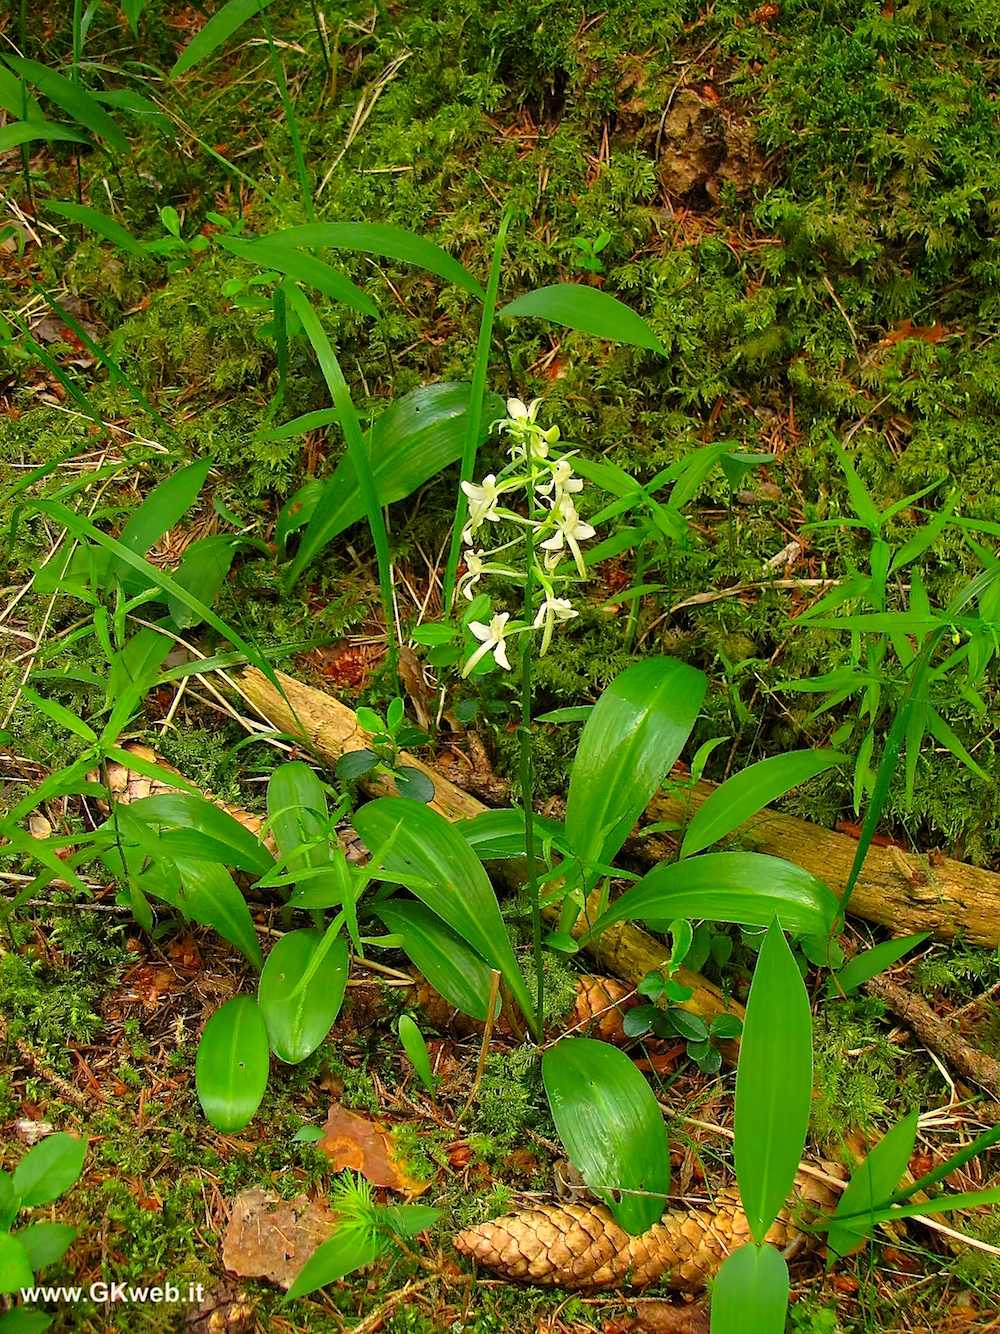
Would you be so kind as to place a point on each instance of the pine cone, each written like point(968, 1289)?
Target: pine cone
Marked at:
point(580, 1246)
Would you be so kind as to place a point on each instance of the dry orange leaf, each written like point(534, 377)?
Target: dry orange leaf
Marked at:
point(354, 1142)
point(927, 333)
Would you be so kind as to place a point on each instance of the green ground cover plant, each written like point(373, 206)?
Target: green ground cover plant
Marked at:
point(618, 389)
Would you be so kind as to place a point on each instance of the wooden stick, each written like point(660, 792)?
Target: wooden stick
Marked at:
point(897, 889)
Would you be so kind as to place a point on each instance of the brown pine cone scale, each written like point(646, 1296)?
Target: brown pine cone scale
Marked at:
point(580, 1246)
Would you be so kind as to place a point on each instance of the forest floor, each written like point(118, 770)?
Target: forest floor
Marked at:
point(801, 201)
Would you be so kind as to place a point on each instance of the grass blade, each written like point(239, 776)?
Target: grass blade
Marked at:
point(219, 28)
point(356, 447)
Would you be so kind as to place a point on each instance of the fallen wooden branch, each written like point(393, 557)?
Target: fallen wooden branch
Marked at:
point(937, 1034)
point(897, 889)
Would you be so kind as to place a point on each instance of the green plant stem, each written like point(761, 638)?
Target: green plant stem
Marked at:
point(528, 778)
point(632, 624)
point(476, 397)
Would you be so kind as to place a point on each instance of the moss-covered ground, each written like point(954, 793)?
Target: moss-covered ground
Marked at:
point(802, 201)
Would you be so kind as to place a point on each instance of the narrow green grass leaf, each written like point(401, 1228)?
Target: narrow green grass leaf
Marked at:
point(356, 447)
point(869, 963)
point(70, 97)
point(612, 1128)
point(219, 28)
point(588, 310)
point(749, 791)
point(476, 402)
point(24, 131)
point(386, 241)
point(773, 1083)
point(98, 222)
point(303, 268)
point(83, 528)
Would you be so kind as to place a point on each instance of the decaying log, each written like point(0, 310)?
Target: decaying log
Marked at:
point(897, 889)
point(580, 1246)
point(331, 730)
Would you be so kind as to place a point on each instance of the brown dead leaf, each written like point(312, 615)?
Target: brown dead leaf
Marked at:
point(926, 333)
point(354, 1142)
point(271, 1238)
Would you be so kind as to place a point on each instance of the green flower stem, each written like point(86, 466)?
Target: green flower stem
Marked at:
point(528, 776)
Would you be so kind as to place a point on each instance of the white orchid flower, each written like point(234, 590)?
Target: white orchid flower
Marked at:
point(553, 611)
point(482, 504)
point(562, 481)
point(518, 411)
point(570, 532)
point(475, 568)
point(492, 640)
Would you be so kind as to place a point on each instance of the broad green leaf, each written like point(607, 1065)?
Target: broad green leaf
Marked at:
point(611, 1126)
point(628, 745)
point(304, 268)
point(202, 572)
point(307, 421)
point(445, 874)
point(20, 132)
point(231, 1067)
point(412, 441)
point(98, 222)
point(587, 309)
point(163, 507)
point(21, 1320)
point(15, 1268)
point(297, 810)
point(351, 1247)
point(440, 955)
point(71, 98)
point(773, 1083)
point(49, 1169)
point(219, 28)
point(298, 1021)
point(15, 98)
point(871, 1186)
point(9, 1202)
point(209, 896)
point(180, 812)
point(750, 1292)
point(498, 835)
point(746, 887)
point(412, 1041)
point(941, 1204)
point(869, 963)
point(749, 791)
point(45, 1243)
point(377, 238)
